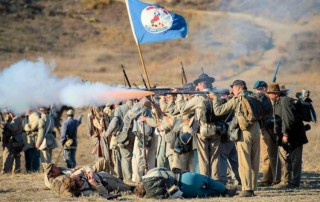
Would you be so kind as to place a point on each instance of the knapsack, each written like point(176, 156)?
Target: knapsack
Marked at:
point(305, 110)
point(157, 181)
point(251, 108)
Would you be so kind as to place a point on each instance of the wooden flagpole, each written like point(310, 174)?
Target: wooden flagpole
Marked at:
point(143, 66)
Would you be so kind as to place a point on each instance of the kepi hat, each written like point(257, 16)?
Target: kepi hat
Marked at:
point(239, 83)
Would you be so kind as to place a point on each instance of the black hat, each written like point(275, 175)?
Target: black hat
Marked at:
point(203, 77)
point(260, 84)
point(238, 83)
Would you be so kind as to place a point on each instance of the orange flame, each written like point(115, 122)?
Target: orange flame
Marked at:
point(124, 94)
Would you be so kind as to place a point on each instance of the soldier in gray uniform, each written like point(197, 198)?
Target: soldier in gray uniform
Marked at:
point(114, 128)
point(145, 144)
point(46, 141)
point(126, 139)
point(165, 151)
point(12, 143)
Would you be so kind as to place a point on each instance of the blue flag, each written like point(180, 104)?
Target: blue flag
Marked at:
point(153, 23)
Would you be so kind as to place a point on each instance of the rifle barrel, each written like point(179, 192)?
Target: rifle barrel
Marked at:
point(183, 92)
point(274, 78)
point(125, 76)
point(165, 89)
point(184, 76)
point(144, 82)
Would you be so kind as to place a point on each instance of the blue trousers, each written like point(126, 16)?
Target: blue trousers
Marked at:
point(70, 157)
point(32, 160)
point(196, 185)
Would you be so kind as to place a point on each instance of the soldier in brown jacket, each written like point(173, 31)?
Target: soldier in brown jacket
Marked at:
point(248, 145)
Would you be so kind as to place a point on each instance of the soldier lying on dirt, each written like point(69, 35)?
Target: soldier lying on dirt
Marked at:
point(83, 181)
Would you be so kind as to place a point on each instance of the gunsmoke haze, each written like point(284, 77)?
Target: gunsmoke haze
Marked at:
point(27, 84)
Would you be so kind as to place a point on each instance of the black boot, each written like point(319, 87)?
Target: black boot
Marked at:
point(230, 192)
point(246, 193)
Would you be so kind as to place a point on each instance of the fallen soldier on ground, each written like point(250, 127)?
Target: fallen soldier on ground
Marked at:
point(163, 183)
point(83, 181)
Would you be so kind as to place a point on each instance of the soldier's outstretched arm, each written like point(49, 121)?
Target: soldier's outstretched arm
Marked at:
point(226, 108)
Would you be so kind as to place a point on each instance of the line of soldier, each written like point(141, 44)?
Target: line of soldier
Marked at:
point(190, 132)
point(183, 132)
point(34, 133)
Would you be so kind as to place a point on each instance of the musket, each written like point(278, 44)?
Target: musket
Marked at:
point(1, 120)
point(165, 89)
point(183, 92)
point(184, 76)
point(152, 102)
point(144, 82)
point(144, 152)
point(274, 78)
point(292, 87)
point(125, 76)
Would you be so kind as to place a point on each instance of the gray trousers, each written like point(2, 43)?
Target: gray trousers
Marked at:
point(162, 161)
point(228, 152)
point(126, 150)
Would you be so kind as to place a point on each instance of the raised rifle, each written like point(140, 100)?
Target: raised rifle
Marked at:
point(274, 78)
point(184, 76)
point(125, 76)
point(144, 82)
point(144, 152)
point(291, 87)
point(1, 120)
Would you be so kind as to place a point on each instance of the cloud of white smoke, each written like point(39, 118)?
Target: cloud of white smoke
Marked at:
point(29, 84)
